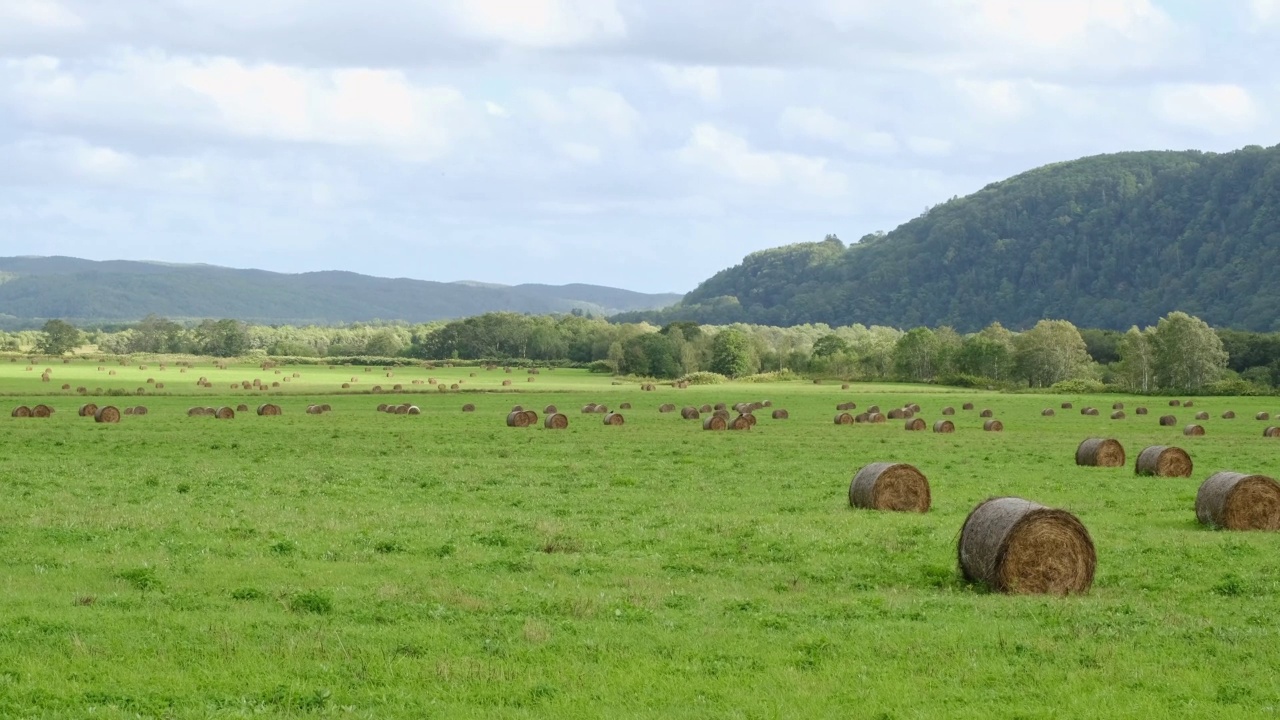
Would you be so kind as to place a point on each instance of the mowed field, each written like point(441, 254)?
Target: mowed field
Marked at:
point(360, 564)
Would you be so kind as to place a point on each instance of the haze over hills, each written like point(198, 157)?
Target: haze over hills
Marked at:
point(1107, 241)
point(86, 291)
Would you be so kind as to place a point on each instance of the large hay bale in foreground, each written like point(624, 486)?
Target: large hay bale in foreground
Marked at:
point(690, 413)
point(993, 426)
point(517, 418)
point(224, 413)
point(1017, 546)
point(1235, 501)
point(715, 422)
point(1163, 461)
point(897, 487)
point(614, 418)
point(555, 421)
point(22, 411)
point(915, 425)
point(107, 414)
point(1193, 431)
point(1168, 420)
point(944, 426)
point(269, 410)
point(844, 418)
point(1271, 432)
point(780, 414)
point(1100, 452)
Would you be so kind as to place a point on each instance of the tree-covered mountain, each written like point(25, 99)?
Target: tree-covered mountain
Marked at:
point(85, 291)
point(1108, 241)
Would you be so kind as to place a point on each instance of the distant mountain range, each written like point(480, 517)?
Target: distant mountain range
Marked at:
point(33, 289)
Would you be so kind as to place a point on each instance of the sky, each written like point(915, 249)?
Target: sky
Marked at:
point(642, 144)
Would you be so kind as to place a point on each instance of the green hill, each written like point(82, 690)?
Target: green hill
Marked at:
point(1107, 241)
point(85, 291)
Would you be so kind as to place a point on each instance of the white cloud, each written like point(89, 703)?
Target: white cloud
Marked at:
point(1213, 109)
point(37, 14)
point(581, 152)
point(700, 80)
point(589, 110)
point(729, 155)
point(538, 23)
point(1265, 11)
point(814, 122)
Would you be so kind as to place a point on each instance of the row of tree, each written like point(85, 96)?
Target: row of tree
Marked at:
point(1180, 353)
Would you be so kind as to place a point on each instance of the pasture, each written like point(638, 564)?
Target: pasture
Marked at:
point(360, 564)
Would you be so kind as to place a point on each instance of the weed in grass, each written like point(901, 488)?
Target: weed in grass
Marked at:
point(144, 579)
point(318, 602)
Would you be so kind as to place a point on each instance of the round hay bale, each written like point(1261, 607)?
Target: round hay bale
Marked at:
point(400, 409)
point(715, 422)
point(967, 406)
point(667, 408)
point(382, 407)
point(873, 409)
point(195, 412)
point(815, 382)
point(517, 408)
point(345, 386)
point(1117, 415)
point(896, 487)
point(1066, 406)
point(1228, 415)
point(844, 418)
point(555, 421)
point(899, 414)
point(876, 418)
point(107, 414)
point(705, 409)
point(993, 426)
point(847, 406)
point(398, 388)
point(530, 379)
point(861, 417)
point(415, 410)
point(82, 389)
point(128, 411)
point(1189, 403)
point(140, 410)
point(741, 422)
point(1089, 411)
point(66, 386)
point(601, 409)
point(1016, 546)
point(1117, 406)
point(531, 418)
point(1262, 416)
point(780, 414)
point(225, 413)
point(948, 411)
point(550, 410)
point(41, 411)
point(844, 386)
point(1271, 432)
point(690, 413)
point(1047, 412)
point(614, 419)
point(986, 413)
point(721, 406)
point(1235, 501)
point(1163, 461)
point(22, 411)
point(313, 409)
point(517, 418)
point(944, 426)
point(88, 410)
point(1175, 403)
point(242, 408)
point(1193, 431)
point(624, 406)
point(915, 425)
point(269, 410)
point(504, 383)
point(1202, 415)
point(588, 408)
point(1168, 420)
point(767, 403)
point(913, 407)
point(1100, 452)
point(468, 408)
point(1140, 411)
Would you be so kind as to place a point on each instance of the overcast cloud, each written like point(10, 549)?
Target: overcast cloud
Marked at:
point(643, 144)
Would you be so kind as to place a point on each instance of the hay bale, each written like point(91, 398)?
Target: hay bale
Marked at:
point(555, 421)
point(382, 407)
point(66, 386)
point(195, 412)
point(705, 409)
point(624, 406)
point(601, 409)
point(1228, 415)
point(913, 407)
point(900, 414)
point(398, 388)
point(721, 406)
point(780, 414)
point(1117, 406)
point(41, 411)
point(1047, 412)
point(844, 418)
point(1014, 545)
point(690, 413)
point(517, 408)
point(1090, 411)
point(948, 411)
point(993, 426)
point(140, 410)
point(224, 413)
point(242, 408)
point(1271, 432)
point(531, 418)
point(1140, 411)
point(504, 383)
point(1235, 501)
point(588, 408)
point(269, 410)
point(722, 414)
point(1163, 461)
point(1066, 406)
point(844, 386)
point(986, 413)
point(128, 411)
point(517, 418)
point(897, 487)
point(944, 426)
point(915, 425)
point(967, 406)
point(1117, 415)
point(1100, 452)
point(1188, 403)
point(550, 410)
point(847, 406)
point(402, 409)
point(22, 411)
point(1262, 416)
point(667, 408)
point(614, 419)
point(107, 414)
point(741, 422)
point(468, 408)
point(1193, 431)
point(715, 422)
point(1168, 420)
point(861, 417)
point(1202, 415)
point(415, 410)
point(876, 418)
point(1175, 403)
point(88, 410)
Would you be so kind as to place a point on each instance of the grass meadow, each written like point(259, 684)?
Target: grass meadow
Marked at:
point(365, 565)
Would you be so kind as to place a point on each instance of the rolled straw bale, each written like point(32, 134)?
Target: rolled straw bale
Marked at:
point(1202, 415)
point(967, 406)
point(897, 414)
point(667, 408)
point(915, 425)
point(140, 410)
point(1018, 546)
point(531, 417)
point(504, 383)
point(107, 414)
point(914, 407)
point(22, 411)
point(993, 426)
point(326, 407)
point(415, 410)
point(269, 410)
point(88, 410)
point(948, 411)
point(41, 411)
point(128, 411)
point(517, 408)
point(721, 406)
point(468, 408)
point(1117, 415)
point(614, 418)
point(847, 406)
point(1228, 415)
point(1262, 416)
point(898, 487)
point(723, 414)
point(876, 418)
point(402, 409)
point(1140, 411)
point(986, 414)
point(1117, 406)
point(861, 417)
point(873, 409)
point(714, 422)
point(1271, 432)
point(843, 418)
point(195, 412)
point(1066, 406)
point(1088, 411)
point(225, 413)
point(767, 403)
point(242, 408)
point(398, 388)
point(844, 386)
point(1193, 431)
point(741, 422)
point(689, 413)
point(624, 406)
point(1168, 420)
point(1100, 452)
point(313, 410)
point(944, 426)
point(1163, 461)
point(601, 410)
point(1047, 412)
point(555, 421)
point(588, 408)
point(705, 409)
point(780, 414)
point(1235, 501)
point(550, 410)
point(66, 386)
point(1175, 403)
point(382, 407)
point(517, 418)
point(1189, 403)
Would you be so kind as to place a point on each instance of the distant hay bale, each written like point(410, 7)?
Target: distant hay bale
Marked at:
point(1228, 415)
point(531, 418)
point(41, 411)
point(861, 417)
point(844, 386)
point(847, 406)
point(471, 375)
point(242, 408)
point(601, 409)
point(550, 410)
point(721, 406)
point(382, 407)
point(588, 408)
point(913, 407)
point(1235, 501)
point(948, 410)
point(504, 383)
point(128, 411)
point(993, 426)
point(843, 418)
point(415, 410)
point(398, 388)
point(1100, 452)
point(780, 414)
point(314, 410)
point(741, 422)
point(876, 418)
point(345, 386)
point(468, 408)
point(66, 387)
point(1117, 406)
point(1118, 415)
point(1262, 416)
point(107, 414)
point(1193, 431)
point(873, 409)
point(22, 411)
point(1047, 412)
point(1088, 411)
point(555, 421)
point(614, 419)
point(140, 410)
point(195, 412)
point(967, 406)
point(1175, 403)
point(269, 410)
point(896, 487)
point(528, 379)
point(1066, 406)
point(667, 408)
point(986, 413)
point(1163, 461)
point(224, 413)
point(715, 422)
point(705, 409)
point(624, 406)
point(402, 409)
point(944, 426)
point(88, 410)
point(900, 414)
point(690, 413)
point(1168, 420)
point(517, 408)
point(1014, 545)
point(82, 389)
point(1202, 415)
point(915, 425)
point(1140, 411)
point(1188, 403)
point(815, 382)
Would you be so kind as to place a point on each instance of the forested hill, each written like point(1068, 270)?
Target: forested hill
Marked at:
point(34, 288)
point(1108, 241)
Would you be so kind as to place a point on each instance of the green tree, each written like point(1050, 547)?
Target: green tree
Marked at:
point(1050, 352)
point(59, 337)
point(1187, 353)
point(915, 355)
point(223, 338)
point(829, 345)
point(731, 353)
point(1136, 368)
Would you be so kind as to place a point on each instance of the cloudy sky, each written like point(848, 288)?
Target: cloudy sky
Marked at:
point(643, 144)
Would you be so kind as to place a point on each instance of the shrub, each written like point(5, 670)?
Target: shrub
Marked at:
point(312, 601)
point(704, 378)
point(604, 367)
point(783, 375)
point(1078, 386)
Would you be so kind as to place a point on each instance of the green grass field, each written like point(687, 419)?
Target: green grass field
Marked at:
point(359, 564)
